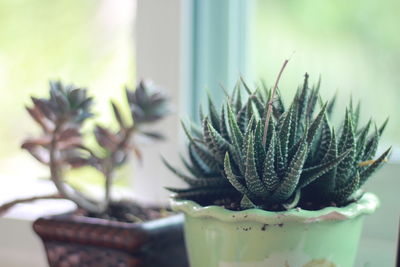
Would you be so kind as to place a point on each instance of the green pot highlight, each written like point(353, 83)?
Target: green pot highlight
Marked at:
point(217, 237)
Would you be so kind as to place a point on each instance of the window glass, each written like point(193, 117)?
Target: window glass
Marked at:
point(86, 42)
point(353, 45)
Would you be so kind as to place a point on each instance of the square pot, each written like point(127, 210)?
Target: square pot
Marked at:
point(74, 240)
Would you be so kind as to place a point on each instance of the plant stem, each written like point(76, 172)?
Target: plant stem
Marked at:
point(107, 193)
point(56, 177)
point(271, 101)
point(6, 206)
point(109, 172)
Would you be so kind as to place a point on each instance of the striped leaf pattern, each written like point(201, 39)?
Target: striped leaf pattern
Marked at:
point(301, 160)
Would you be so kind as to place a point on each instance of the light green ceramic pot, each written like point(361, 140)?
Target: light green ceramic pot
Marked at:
point(217, 237)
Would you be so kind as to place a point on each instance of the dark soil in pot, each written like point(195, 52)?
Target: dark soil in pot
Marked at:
point(131, 212)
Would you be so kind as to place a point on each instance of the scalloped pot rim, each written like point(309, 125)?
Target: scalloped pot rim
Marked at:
point(367, 204)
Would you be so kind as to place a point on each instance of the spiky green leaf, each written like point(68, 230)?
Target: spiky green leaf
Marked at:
point(196, 182)
point(289, 183)
point(310, 174)
point(270, 178)
point(346, 143)
point(234, 179)
point(236, 134)
point(342, 194)
point(253, 181)
point(213, 114)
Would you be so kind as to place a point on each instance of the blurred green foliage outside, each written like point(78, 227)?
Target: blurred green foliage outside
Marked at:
point(353, 45)
point(85, 42)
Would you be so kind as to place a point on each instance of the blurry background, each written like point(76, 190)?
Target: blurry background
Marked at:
point(353, 45)
point(88, 43)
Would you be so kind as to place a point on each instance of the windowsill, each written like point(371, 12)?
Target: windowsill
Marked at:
point(19, 238)
point(377, 246)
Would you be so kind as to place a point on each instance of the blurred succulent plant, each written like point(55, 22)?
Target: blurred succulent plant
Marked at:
point(265, 155)
point(147, 103)
point(60, 146)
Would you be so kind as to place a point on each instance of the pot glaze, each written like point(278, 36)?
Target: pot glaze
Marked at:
point(217, 237)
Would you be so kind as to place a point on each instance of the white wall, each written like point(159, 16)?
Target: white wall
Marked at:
point(159, 49)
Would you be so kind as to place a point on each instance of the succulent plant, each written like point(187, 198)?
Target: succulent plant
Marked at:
point(340, 183)
point(60, 117)
point(147, 103)
point(276, 162)
point(60, 146)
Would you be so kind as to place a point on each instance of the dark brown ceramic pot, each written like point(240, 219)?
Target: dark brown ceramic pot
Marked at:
point(73, 240)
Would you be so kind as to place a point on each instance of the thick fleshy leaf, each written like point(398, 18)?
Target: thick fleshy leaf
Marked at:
point(242, 117)
point(331, 105)
point(152, 135)
point(198, 164)
point(289, 183)
point(201, 113)
point(325, 139)
point(234, 179)
point(280, 166)
point(361, 140)
point(202, 152)
point(293, 202)
point(371, 146)
point(247, 133)
point(284, 134)
point(270, 131)
point(328, 181)
point(60, 99)
point(223, 125)
point(246, 203)
point(310, 174)
point(213, 114)
point(191, 169)
point(118, 116)
point(202, 193)
point(312, 103)
point(253, 181)
point(237, 94)
point(315, 125)
point(346, 143)
point(270, 178)
point(195, 182)
point(260, 106)
point(105, 138)
point(342, 194)
point(293, 136)
point(383, 127)
point(356, 115)
point(246, 87)
point(303, 101)
point(236, 134)
point(214, 141)
point(260, 152)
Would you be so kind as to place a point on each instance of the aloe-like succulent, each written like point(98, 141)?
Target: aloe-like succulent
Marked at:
point(61, 146)
point(244, 154)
